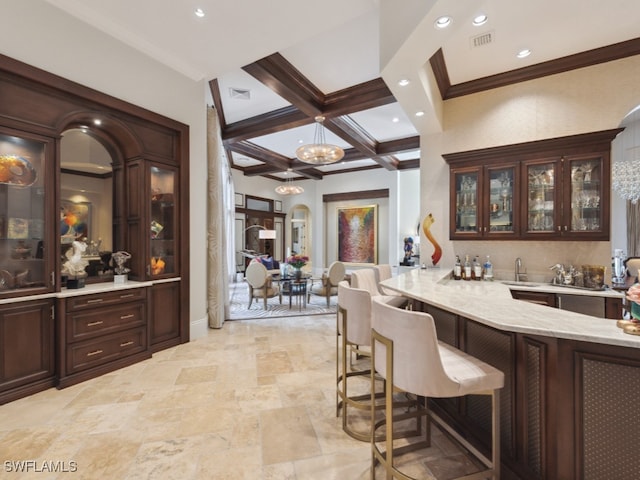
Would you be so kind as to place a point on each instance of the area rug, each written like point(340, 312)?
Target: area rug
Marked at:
point(238, 310)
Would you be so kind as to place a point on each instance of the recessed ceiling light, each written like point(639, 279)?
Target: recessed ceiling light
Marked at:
point(443, 22)
point(199, 12)
point(395, 119)
point(97, 121)
point(525, 52)
point(480, 20)
point(420, 113)
point(403, 82)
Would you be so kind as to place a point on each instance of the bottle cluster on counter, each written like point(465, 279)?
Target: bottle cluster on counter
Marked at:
point(473, 270)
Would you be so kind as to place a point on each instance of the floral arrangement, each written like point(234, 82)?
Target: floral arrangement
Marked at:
point(297, 261)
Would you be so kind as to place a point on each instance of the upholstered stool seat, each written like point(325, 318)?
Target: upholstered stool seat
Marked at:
point(404, 338)
point(354, 336)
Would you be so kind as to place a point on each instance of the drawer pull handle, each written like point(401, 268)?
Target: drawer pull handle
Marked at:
point(127, 295)
point(93, 324)
point(124, 317)
point(96, 300)
point(96, 352)
point(126, 344)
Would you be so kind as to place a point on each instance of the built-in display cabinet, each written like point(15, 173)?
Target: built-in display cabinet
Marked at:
point(51, 333)
point(549, 189)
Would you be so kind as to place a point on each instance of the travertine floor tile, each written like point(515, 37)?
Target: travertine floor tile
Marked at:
point(254, 400)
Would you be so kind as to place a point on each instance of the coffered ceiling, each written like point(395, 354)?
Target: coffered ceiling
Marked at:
point(273, 66)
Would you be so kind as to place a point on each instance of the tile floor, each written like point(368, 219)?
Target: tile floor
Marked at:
point(253, 400)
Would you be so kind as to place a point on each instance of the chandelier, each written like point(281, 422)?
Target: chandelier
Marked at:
point(319, 152)
point(626, 178)
point(288, 188)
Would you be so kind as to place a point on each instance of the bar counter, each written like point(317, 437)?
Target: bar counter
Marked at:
point(572, 381)
point(491, 304)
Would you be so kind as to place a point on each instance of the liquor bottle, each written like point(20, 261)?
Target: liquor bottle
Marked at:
point(466, 273)
point(477, 269)
point(457, 269)
point(488, 269)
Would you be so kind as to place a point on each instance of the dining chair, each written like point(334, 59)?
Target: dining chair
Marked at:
point(261, 283)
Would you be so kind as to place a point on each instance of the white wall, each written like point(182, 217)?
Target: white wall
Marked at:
point(49, 39)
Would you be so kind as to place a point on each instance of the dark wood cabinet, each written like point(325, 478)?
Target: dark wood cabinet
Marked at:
point(609, 307)
point(556, 189)
point(95, 332)
point(562, 405)
point(164, 306)
point(483, 201)
point(27, 362)
point(101, 332)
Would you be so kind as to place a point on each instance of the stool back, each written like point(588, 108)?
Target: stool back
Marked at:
point(417, 366)
point(357, 305)
point(365, 279)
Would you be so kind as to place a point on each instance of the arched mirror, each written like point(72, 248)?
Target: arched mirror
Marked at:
point(300, 230)
point(86, 200)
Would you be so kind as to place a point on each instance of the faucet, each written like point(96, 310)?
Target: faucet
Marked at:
point(519, 275)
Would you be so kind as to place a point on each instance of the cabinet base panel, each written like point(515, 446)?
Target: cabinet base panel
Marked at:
point(26, 390)
point(88, 374)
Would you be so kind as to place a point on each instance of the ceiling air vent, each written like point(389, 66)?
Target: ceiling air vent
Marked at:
point(240, 93)
point(482, 40)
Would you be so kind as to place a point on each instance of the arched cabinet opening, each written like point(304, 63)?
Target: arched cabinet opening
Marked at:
point(86, 202)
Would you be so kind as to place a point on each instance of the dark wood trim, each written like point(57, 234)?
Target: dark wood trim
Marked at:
point(342, 197)
point(271, 122)
point(363, 96)
point(583, 142)
point(283, 78)
point(79, 173)
point(589, 58)
point(214, 88)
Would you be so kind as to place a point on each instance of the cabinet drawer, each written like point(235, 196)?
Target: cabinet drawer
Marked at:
point(91, 353)
point(106, 298)
point(98, 321)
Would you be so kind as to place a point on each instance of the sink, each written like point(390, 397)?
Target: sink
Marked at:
point(521, 284)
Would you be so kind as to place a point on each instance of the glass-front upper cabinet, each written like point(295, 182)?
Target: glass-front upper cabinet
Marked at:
point(485, 202)
point(163, 210)
point(466, 198)
point(541, 200)
point(584, 178)
point(26, 264)
point(501, 184)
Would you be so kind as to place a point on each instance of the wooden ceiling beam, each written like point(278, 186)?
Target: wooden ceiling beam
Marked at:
point(287, 81)
point(398, 146)
point(257, 152)
point(363, 96)
point(265, 124)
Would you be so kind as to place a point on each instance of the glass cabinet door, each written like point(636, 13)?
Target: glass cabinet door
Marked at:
point(163, 182)
point(466, 194)
point(24, 231)
point(501, 199)
point(586, 193)
point(541, 197)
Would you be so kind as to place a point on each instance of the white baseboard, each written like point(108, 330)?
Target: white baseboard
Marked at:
point(198, 328)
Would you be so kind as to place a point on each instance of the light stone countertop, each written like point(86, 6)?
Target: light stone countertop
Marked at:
point(88, 289)
point(491, 304)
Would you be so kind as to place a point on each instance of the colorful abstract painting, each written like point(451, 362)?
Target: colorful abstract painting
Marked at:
point(358, 234)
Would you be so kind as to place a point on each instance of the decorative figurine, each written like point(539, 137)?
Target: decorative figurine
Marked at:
point(120, 271)
point(74, 267)
point(426, 228)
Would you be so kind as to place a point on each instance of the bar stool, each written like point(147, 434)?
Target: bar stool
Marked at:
point(384, 272)
point(354, 333)
point(402, 338)
point(365, 279)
